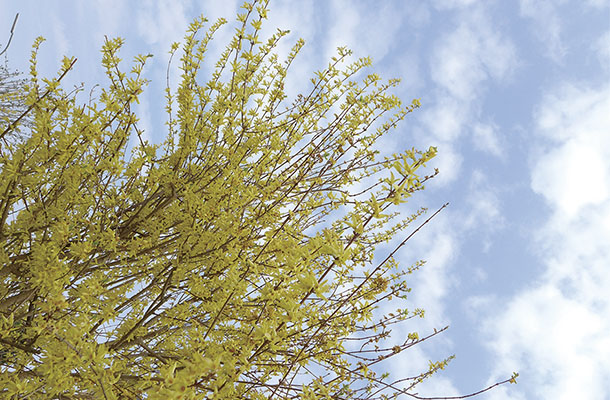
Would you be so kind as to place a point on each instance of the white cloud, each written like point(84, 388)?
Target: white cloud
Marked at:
point(343, 31)
point(437, 385)
point(464, 58)
point(462, 62)
point(145, 122)
point(367, 30)
point(59, 35)
point(573, 111)
point(300, 19)
point(484, 213)
point(546, 25)
point(162, 22)
point(503, 393)
point(598, 3)
point(449, 163)
point(418, 15)
point(213, 10)
point(575, 173)
point(558, 344)
point(456, 65)
point(413, 362)
point(434, 281)
point(476, 305)
point(449, 4)
point(409, 70)
point(602, 48)
point(445, 119)
point(436, 243)
point(555, 332)
point(485, 138)
point(110, 17)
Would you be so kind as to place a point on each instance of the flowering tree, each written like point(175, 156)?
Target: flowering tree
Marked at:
point(234, 261)
point(12, 95)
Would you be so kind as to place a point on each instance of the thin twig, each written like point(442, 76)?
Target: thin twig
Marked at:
point(415, 396)
point(11, 37)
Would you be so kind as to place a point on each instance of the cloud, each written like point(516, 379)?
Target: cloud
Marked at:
point(575, 173)
point(559, 345)
point(484, 213)
point(578, 175)
point(62, 44)
point(547, 25)
point(418, 15)
point(448, 161)
point(217, 9)
point(503, 393)
point(470, 54)
point(344, 29)
point(449, 4)
point(602, 47)
point(485, 138)
point(555, 331)
point(413, 362)
point(598, 3)
point(463, 62)
point(433, 281)
point(372, 35)
point(110, 17)
point(445, 119)
point(145, 122)
point(436, 244)
point(301, 19)
point(162, 22)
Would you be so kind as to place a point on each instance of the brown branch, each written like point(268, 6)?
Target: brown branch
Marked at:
point(11, 37)
point(511, 380)
point(295, 360)
point(19, 298)
point(12, 125)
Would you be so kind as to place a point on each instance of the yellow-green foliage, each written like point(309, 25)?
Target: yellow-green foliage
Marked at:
point(232, 262)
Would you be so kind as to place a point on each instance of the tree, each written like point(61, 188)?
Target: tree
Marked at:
point(12, 93)
point(234, 261)
point(12, 101)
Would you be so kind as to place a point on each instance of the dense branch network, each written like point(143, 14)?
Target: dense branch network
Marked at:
point(235, 260)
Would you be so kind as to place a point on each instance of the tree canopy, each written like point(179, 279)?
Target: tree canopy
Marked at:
point(12, 95)
point(233, 261)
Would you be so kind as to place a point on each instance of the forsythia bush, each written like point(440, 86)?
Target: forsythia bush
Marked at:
point(234, 261)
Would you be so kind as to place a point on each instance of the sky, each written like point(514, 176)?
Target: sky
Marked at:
point(516, 97)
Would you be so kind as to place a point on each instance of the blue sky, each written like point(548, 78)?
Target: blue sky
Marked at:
point(515, 95)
